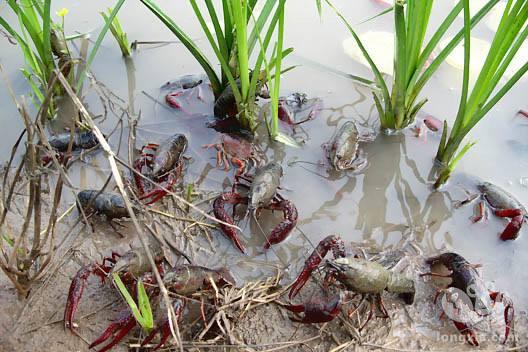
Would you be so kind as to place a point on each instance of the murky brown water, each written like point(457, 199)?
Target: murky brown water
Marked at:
point(388, 201)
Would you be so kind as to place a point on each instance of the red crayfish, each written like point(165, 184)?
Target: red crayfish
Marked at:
point(162, 163)
point(262, 195)
point(182, 280)
point(356, 275)
point(464, 277)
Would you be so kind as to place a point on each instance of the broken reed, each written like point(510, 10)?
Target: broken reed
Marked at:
point(26, 252)
point(486, 92)
point(414, 63)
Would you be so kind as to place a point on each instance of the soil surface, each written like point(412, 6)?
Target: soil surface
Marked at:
point(30, 324)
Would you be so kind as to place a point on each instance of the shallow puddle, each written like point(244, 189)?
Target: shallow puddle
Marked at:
point(388, 202)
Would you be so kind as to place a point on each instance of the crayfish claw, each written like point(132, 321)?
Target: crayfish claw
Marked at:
point(511, 231)
point(300, 282)
point(468, 333)
point(122, 326)
point(77, 288)
point(332, 242)
point(283, 229)
point(221, 214)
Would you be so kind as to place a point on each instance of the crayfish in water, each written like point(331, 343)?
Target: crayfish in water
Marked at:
point(162, 163)
point(262, 194)
point(343, 150)
point(237, 151)
point(225, 105)
point(428, 124)
point(465, 278)
point(356, 275)
point(79, 141)
point(296, 103)
point(504, 205)
point(182, 280)
point(179, 86)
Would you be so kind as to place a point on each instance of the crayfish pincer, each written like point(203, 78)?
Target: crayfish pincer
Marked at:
point(465, 278)
point(504, 205)
point(262, 195)
point(357, 275)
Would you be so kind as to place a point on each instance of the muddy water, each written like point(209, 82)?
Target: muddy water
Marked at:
point(388, 202)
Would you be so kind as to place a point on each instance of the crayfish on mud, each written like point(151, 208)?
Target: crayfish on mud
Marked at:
point(504, 205)
point(109, 205)
point(181, 280)
point(234, 150)
point(161, 163)
point(466, 279)
point(262, 194)
point(356, 275)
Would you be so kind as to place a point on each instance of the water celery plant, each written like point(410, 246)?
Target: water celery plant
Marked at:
point(233, 44)
point(34, 40)
point(44, 45)
point(485, 93)
point(117, 31)
point(143, 313)
point(414, 63)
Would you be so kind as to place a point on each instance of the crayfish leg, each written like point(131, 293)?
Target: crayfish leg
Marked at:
point(164, 329)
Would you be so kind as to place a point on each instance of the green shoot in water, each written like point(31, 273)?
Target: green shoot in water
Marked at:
point(234, 47)
point(414, 64)
point(44, 45)
point(486, 92)
point(34, 40)
point(118, 33)
point(143, 313)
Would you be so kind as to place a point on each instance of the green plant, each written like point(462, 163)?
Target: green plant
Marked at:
point(234, 47)
point(40, 39)
point(413, 61)
point(485, 93)
point(143, 313)
point(33, 37)
point(117, 31)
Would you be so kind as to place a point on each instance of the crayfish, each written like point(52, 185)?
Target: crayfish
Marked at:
point(111, 205)
point(296, 103)
point(180, 85)
point(504, 205)
point(237, 151)
point(465, 278)
point(357, 275)
point(79, 141)
point(182, 280)
point(262, 195)
point(343, 150)
point(162, 163)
